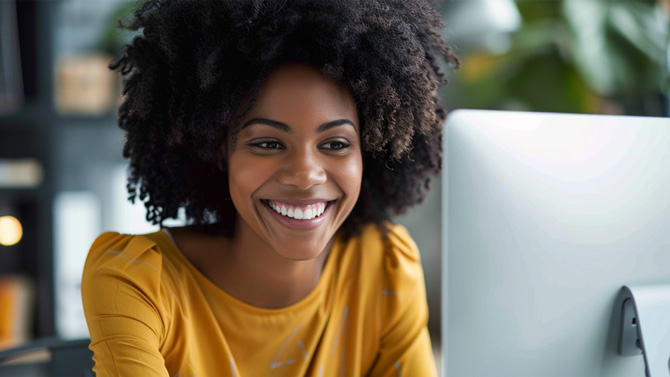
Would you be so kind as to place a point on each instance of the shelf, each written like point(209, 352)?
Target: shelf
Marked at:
point(75, 150)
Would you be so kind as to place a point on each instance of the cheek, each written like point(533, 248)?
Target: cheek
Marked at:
point(244, 181)
point(237, 185)
point(350, 176)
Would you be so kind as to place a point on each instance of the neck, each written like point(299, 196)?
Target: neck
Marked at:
point(249, 269)
point(254, 273)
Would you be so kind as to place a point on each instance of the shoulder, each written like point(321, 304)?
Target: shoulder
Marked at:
point(399, 273)
point(125, 252)
point(395, 248)
point(124, 291)
point(124, 277)
point(402, 263)
point(122, 260)
point(390, 258)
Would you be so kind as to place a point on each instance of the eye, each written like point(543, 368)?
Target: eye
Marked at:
point(335, 145)
point(267, 144)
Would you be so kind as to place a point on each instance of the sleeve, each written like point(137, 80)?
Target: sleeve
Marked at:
point(121, 296)
point(405, 347)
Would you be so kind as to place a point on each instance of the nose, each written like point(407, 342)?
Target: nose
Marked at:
point(303, 170)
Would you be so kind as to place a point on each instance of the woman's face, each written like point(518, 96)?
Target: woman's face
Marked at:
point(295, 170)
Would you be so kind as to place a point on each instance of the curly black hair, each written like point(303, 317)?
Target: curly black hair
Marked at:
point(196, 68)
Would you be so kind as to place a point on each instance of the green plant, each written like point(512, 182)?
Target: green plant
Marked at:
point(574, 56)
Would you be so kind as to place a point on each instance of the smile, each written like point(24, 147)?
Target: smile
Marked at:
point(298, 212)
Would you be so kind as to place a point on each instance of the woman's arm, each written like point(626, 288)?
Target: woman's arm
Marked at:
point(405, 347)
point(121, 296)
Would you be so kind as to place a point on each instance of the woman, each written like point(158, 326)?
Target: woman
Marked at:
point(290, 131)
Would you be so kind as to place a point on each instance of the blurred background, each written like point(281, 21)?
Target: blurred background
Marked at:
point(62, 174)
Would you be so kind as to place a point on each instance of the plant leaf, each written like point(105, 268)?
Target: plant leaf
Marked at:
point(617, 46)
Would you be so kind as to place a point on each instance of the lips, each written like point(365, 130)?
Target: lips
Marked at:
point(304, 211)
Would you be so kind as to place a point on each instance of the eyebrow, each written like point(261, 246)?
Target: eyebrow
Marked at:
point(285, 127)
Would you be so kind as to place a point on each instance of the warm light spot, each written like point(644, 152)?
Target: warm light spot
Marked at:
point(10, 231)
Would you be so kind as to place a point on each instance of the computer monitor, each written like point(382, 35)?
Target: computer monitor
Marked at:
point(546, 217)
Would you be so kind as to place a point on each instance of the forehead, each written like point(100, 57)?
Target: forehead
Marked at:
point(296, 93)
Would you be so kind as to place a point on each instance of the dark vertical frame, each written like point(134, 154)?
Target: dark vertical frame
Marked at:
point(29, 133)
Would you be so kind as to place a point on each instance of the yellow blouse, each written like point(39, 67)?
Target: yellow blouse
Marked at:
point(150, 313)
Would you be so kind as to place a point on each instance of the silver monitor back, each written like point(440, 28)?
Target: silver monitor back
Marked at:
point(546, 217)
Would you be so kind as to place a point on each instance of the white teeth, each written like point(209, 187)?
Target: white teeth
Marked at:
point(298, 213)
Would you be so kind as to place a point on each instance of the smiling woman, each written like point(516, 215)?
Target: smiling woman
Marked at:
point(290, 132)
point(301, 137)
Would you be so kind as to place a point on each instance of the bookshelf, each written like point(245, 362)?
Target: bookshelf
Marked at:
point(25, 131)
point(67, 145)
